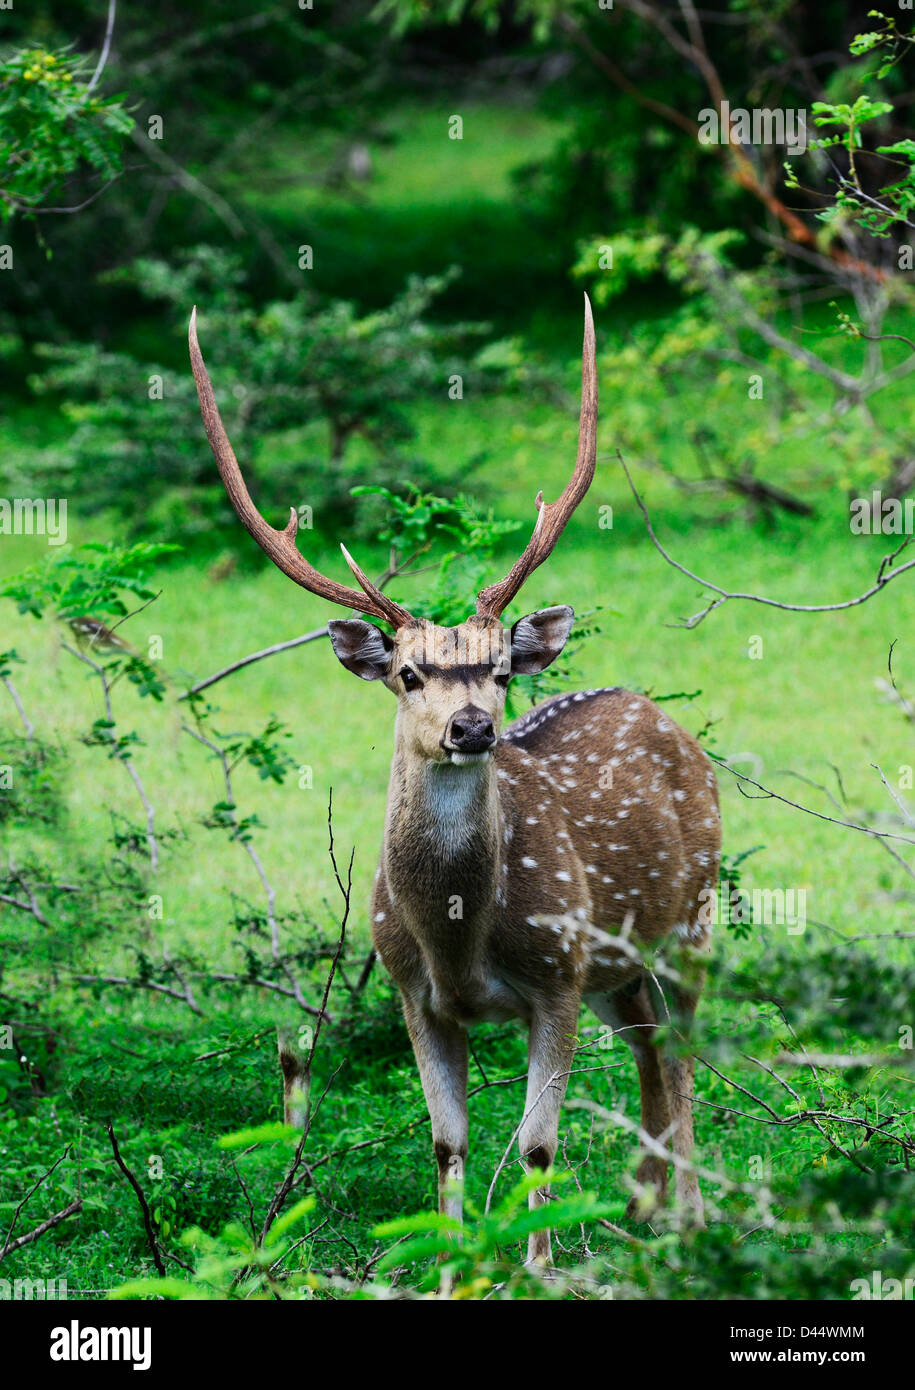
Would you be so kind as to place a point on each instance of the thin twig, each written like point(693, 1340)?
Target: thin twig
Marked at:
point(884, 575)
point(286, 1185)
point(190, 183)
point(14, 696)
point(9, 1244)
point(255, 656)
point(396, 568)
point(141, 1198)
point(768, 794)
point(106, 47)
point(249, 849)
point(71, 1210)
point(122, 757)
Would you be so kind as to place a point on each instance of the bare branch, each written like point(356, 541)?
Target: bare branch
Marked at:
point(197, 189)
point(151, 1240)
point(122, 758)
point(14, 696)
point(255, 656)
point(884, 576)
point(9, 1243)
point(843, 1061)
point(70, 1210)
point(32, 904)
point(768, 794)
point(184, 995)
point(288, 1182)
point(106, 47)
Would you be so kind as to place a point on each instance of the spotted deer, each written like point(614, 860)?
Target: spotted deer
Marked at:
point(525, 869)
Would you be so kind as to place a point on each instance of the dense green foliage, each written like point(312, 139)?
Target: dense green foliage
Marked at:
point(51, 124)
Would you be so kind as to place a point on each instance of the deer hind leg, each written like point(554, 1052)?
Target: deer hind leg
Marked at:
point(679, 1066)
point(631, 1013)
point(293, 1052)
point(552, 1044)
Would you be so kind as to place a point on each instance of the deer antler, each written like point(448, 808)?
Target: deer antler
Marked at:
point(279, 545)
point(552, 516)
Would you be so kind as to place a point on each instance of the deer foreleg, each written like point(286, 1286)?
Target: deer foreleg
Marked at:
point(441, 1055)
point(552, 1043)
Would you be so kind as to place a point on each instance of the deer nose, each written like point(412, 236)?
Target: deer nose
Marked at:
point(471, 731)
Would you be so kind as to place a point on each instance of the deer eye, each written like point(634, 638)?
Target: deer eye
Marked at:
point(411, 680)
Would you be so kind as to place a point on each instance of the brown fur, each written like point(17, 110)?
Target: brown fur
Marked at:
point(532, 878)
point(634, 848)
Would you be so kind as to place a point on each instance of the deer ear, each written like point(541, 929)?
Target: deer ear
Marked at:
point(362, 648)
point(538, 639)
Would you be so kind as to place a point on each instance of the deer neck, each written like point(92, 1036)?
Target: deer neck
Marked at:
point(443, 857)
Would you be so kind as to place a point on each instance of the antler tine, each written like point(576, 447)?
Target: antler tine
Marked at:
point(279, 545)
point(553, 516)
point(371, 589)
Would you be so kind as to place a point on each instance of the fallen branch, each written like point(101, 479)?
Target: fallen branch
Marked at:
point(9, 1243)
point(74, 1207)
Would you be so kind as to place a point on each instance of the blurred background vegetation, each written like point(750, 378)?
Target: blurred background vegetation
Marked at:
point(386, 216)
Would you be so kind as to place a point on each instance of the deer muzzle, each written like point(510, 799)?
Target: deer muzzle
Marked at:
point(470, 730)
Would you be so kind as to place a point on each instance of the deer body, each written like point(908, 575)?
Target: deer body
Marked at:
point(493, 878)
point(523, 873)
point(502, 893)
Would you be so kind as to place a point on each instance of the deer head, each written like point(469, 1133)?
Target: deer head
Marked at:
point(450, 682)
